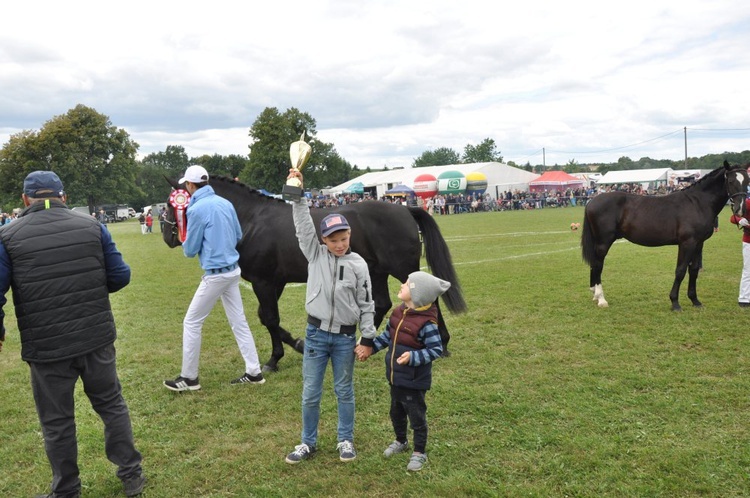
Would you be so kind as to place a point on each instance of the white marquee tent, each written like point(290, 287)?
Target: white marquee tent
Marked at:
point(500, 177)
point(636, 176)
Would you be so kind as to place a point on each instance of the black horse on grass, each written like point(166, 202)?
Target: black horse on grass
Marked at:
point(386, 235)
point(684, 218)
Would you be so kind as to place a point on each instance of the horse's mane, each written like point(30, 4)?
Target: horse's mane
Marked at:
point(700, 181)
point(238, 184)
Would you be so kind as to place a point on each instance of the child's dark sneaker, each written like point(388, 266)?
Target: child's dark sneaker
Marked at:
point(346, 451)
point(301, 452)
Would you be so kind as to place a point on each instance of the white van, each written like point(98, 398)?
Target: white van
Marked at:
point(81, 209)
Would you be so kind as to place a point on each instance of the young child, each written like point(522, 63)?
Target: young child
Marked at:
point(413, 342)
point(338, 298)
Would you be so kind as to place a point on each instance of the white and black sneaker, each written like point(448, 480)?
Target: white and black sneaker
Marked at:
point(182, 384)
point(249, 379)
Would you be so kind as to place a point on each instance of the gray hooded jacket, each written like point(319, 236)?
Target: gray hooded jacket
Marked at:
point(339, 291)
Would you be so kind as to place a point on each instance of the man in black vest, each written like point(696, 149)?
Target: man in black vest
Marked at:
point(61, 266)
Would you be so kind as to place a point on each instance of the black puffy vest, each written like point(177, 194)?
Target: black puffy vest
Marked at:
point(59, 283)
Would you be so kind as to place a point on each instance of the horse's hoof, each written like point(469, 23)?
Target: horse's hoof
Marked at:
point(299, 346)
point(677, 308)
point(269, 369)
point(603, 304)
point(446, 353)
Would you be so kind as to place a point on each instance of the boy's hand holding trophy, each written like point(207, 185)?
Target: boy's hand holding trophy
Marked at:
point(299, 153)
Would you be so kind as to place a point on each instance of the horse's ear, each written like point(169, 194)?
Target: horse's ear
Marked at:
point(726, 164)
point(171, 181)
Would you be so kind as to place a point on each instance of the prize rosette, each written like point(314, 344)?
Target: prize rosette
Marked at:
point(179, 200)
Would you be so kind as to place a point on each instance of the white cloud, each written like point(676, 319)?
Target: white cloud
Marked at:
point(387, 80)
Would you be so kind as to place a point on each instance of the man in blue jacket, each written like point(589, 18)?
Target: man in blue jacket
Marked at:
point(61, 266)
point(213, 235)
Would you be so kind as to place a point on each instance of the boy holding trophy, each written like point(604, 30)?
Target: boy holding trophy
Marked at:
point(338, 298)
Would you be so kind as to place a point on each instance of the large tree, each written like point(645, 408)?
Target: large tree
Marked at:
point(170, 163)
point(272, 133)
point(95, 160)
point(485, 152)
point(441, 156)
point(216, 164)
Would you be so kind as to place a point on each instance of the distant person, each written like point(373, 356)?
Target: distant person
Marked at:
point(102, 217)
point(142, 221)
point(339, 296)
point(213, 234)
point(412, 339)
point(744, 297)
point(162, 218)
point(62, 265)
point(149, 222)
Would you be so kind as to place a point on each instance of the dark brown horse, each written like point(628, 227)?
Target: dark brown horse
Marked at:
point(684, 218)
point(386, 235)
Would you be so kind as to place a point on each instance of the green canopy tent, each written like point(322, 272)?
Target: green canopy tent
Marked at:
point(355, 188)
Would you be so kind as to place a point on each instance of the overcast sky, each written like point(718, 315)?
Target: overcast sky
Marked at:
point(387, 80)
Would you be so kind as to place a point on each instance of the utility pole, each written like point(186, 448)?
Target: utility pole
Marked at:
point(685, 131)
point(544, 160)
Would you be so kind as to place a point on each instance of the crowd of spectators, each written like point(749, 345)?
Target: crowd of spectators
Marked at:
point(6, 218)
point(511, 200)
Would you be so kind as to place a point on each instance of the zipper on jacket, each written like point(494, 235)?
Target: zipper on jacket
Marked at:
point(394, 341)
point(333, 290)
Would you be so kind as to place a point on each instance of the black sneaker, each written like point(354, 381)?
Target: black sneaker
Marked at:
point(182, 384)
point(346, 451)
point(249, 379)
point(744, 305)
point(301, 452)
point(134, 485)
point(52, 495)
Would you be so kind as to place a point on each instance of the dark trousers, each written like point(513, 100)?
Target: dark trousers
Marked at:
point(409, 404)
point(53, 385)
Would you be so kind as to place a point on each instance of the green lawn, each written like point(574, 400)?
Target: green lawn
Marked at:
point(545, 394)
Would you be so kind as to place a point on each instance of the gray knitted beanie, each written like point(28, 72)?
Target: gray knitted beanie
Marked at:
point(425, 288)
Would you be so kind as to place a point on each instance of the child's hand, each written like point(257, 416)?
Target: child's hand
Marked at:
point(404, 358)
point(362, 352)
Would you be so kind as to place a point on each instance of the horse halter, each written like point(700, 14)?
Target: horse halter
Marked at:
point(742, 192)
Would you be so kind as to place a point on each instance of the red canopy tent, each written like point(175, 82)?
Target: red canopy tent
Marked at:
point(555, 181)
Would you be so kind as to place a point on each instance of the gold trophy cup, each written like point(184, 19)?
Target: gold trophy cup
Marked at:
point(299, 153)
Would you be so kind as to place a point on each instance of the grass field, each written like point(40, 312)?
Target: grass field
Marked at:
point(545, 395)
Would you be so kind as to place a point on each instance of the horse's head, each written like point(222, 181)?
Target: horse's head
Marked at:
point(736, 181)
point(170, 235)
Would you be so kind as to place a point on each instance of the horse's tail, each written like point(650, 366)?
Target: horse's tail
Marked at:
point(588, 248)
point(439, 259)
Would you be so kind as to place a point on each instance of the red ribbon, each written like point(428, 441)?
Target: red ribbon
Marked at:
point(179, 199)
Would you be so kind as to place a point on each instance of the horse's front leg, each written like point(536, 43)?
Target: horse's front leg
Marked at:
point(692, 286)
point(696, 263)
point(268, 314)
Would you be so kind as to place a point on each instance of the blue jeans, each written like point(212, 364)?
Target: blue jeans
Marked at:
point(320, 346)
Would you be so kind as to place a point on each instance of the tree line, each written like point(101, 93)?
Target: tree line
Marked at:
point(98, 163)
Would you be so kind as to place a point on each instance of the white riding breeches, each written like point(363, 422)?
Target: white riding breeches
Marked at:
point(211, 288)
point(745, 280)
